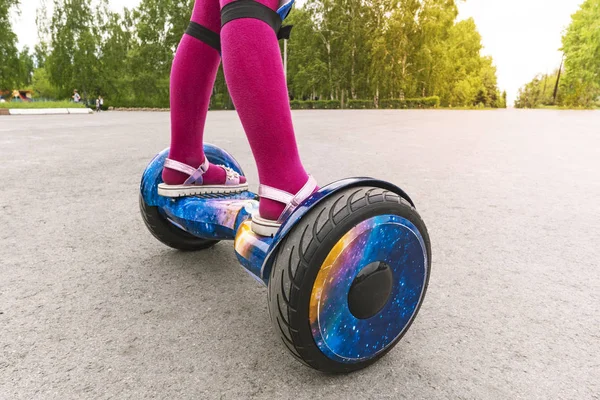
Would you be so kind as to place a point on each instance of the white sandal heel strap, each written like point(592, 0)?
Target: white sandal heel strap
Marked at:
point(291, 201)
point(302, 195)
point(277, 195)
point(195, 174)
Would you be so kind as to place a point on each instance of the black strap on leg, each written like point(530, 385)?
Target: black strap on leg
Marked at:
point(204, 35)
point(285, 32)
point(253, 9)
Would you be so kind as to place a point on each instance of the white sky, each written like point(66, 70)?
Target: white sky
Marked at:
point(523, 36)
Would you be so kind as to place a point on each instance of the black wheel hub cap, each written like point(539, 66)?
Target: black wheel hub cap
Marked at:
point(371, 290)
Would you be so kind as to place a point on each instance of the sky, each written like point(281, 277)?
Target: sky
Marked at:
point(523, 36)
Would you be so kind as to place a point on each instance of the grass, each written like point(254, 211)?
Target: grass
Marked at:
point(41, 104)
point(562, 108)
point(542, 107)
point(467, 108)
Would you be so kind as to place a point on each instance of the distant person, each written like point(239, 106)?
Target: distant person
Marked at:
point(98, 104)
point(101, 102)
point(76, 97)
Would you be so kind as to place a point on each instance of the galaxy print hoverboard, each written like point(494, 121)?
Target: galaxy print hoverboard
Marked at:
point(346, 273)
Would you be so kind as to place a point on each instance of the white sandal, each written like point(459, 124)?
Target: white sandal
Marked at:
point(194, 184)
point(265, 227)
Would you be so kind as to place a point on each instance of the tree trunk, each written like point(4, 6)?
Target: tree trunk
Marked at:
point(352, 86)
point(330, 69)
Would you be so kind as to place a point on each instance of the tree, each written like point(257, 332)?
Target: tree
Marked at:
point(389, 49)
point(73, 59)
point(42, 86)
point(307, 72)
point(581, 46)
point(41, 49)
point(436, 20)
point(26, 67)
point(466, 70)
point(115, 48)
point(538, 92)
point(10, 68)
point(158, 27)
point(503, 103)
point(340, 49)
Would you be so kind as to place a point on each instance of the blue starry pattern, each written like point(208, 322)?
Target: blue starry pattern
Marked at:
point(389, 238)
point(208, 216)
point(313, 200)
point(251, 249)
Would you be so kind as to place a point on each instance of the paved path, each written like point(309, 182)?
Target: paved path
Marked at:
point(91, 306)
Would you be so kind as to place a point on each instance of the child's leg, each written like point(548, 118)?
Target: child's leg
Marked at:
point(256, 82)
point(192, 80)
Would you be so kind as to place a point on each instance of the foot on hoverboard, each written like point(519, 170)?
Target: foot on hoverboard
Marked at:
point(269, 228)
point(194, 185)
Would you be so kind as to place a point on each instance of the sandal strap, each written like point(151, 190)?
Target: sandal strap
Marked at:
point(292, 201)
point(274, 194)
point(232, 177)
point(194, 173)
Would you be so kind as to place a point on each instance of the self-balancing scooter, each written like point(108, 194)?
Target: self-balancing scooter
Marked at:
point(346, 273)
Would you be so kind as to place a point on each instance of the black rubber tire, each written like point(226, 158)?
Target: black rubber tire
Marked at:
point(169, 234)
point(302, 254)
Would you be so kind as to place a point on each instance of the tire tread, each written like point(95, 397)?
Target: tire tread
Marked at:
point(306, 246)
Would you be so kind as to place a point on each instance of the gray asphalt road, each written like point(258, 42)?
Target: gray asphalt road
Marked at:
point(91, 306)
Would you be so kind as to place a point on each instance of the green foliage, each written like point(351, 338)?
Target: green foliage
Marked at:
point(539, 92)
point(361, 104)
point(341, 52)
point(26, 67)
point(581, 46)
point(221, 100)
point(424, 102)
point(503, 102)
point(579, 85)
point(157, 29)
point(115, 49)
point(11, 74)
point(393, 104)
point(349, 49)
point(42, 87)
point(300, 105)
point(73, 61)
point(316, 105)
point(470, 79)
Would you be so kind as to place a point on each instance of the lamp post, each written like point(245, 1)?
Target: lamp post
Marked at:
point(285, 58)
point(558, 78)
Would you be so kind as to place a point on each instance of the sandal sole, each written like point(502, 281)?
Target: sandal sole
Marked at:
point(264, 227)
point(176, 191)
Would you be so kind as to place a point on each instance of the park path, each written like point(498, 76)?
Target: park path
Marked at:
point(91, 306)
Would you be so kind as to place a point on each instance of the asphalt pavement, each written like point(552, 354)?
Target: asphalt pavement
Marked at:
point(93, 307)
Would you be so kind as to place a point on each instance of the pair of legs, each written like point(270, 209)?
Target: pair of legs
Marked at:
point(255, 78)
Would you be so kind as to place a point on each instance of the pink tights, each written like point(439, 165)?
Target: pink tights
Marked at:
point(254, 74)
